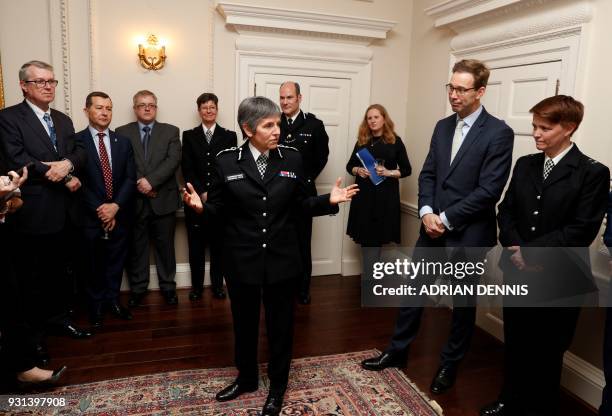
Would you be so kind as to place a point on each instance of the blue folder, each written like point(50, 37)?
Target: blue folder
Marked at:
point(368, 162)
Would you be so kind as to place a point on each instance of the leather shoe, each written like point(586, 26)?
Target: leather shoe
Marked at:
point(304, 299)
point(218, 293)
point(135, 299)
point(120, 312)
point(42, 356)
point(96, 320)
point(195, 295)
point(37, 385)
point(494, 409)
point(74, 332)
point(170, 297)
point(383, 361)
point(273, 405)
point(234, 390)
point(444, 379)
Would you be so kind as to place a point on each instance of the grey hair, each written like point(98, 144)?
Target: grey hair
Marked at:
point(295, 84)
point(253, 109)
point(38, 64)
point(143, 93)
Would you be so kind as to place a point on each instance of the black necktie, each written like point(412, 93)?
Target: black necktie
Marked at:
point(290, 121)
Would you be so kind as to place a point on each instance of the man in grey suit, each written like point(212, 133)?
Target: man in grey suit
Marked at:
point(157, 150)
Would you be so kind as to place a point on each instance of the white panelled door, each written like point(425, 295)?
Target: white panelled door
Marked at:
point(512, 91)
point(329, 100)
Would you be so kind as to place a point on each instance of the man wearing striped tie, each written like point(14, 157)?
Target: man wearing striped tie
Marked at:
point(33, 133)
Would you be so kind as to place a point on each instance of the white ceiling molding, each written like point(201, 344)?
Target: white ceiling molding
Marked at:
point(248, 18)
point(528, 27)
point(450, 12)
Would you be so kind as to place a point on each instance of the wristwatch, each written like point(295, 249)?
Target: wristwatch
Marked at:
point(68, 178)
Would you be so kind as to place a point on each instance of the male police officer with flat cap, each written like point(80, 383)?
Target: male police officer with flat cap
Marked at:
point(307, 134)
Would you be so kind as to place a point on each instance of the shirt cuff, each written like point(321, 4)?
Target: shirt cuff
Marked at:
point(426, 209)
point(445, 221)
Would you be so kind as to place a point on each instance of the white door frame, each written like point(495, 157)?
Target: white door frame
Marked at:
point(318, 59)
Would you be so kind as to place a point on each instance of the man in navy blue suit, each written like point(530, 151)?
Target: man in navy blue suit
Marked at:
point(462, 180)
point(109, 184)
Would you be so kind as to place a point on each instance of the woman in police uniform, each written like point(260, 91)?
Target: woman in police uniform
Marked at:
point(260, 190)
point(556, 198)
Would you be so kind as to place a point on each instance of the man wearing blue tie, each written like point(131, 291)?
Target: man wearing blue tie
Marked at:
point(462, 179)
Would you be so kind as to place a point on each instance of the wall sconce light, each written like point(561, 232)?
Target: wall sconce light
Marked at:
point(152, 56)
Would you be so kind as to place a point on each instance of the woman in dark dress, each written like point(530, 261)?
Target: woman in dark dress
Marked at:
point(374, 217)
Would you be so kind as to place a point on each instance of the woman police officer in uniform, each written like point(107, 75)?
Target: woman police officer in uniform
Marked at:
point(260, 191)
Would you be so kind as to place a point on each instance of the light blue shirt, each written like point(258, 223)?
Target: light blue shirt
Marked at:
point(469, 122)
point(40, 114)
point(94, 135)
point(141, 126)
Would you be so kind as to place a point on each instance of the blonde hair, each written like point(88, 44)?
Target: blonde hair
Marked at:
point(365, 134)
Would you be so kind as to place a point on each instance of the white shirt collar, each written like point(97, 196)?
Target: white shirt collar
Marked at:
point(560, 156)
point(212, 129)
point(471, 119)
point(294, 116)
point(94, 132)
point(256, 152)
point(37, 110)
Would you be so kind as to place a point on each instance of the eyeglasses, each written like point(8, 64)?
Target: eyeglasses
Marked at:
point(459, 90)
point(42, 83)
point(147, 106)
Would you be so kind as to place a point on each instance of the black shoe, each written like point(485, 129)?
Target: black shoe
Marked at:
point(383, 361)
point(120, 312)
point(135, 299)
point(96, 320)
point(494, 409)
point(195, 295)
point(74, 332)
point(234, 390)
point(42, 356)
point(170, 297)
point(43, 384)
point(218, 293)
point(304, 298)
point(444, 379)
point(273, 405)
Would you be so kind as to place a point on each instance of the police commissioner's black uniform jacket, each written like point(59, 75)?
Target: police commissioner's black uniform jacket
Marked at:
point(260, 238)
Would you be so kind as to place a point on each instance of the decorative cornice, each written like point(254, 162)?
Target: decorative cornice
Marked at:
point(1, 87)
point(265, 19)
point(449, 12)
point(555, 22)
point(306, 49)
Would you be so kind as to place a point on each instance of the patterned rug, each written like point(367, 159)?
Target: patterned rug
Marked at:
point(331, 385)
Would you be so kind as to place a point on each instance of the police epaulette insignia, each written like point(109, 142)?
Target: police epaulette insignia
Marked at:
point(230, 149)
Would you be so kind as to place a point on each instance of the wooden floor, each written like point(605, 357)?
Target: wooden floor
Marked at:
point(199, 335)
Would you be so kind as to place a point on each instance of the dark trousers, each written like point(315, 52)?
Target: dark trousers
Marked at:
point(606, 398)
point(464, 308)
point(535, 341)
point(278, 301)
point(304, 232)
point(17, 350)
point(105, 259)
point(158, 229)
point(42, 270)
point(204, 231)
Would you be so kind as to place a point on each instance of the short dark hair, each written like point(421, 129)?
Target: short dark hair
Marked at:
point(88, 99)
point(479, 71)
point(206, 97)
point(254, 109)
point(297, 86)
point(560, 109)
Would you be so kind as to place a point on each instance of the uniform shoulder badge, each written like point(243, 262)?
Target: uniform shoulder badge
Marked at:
point(230, 149)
